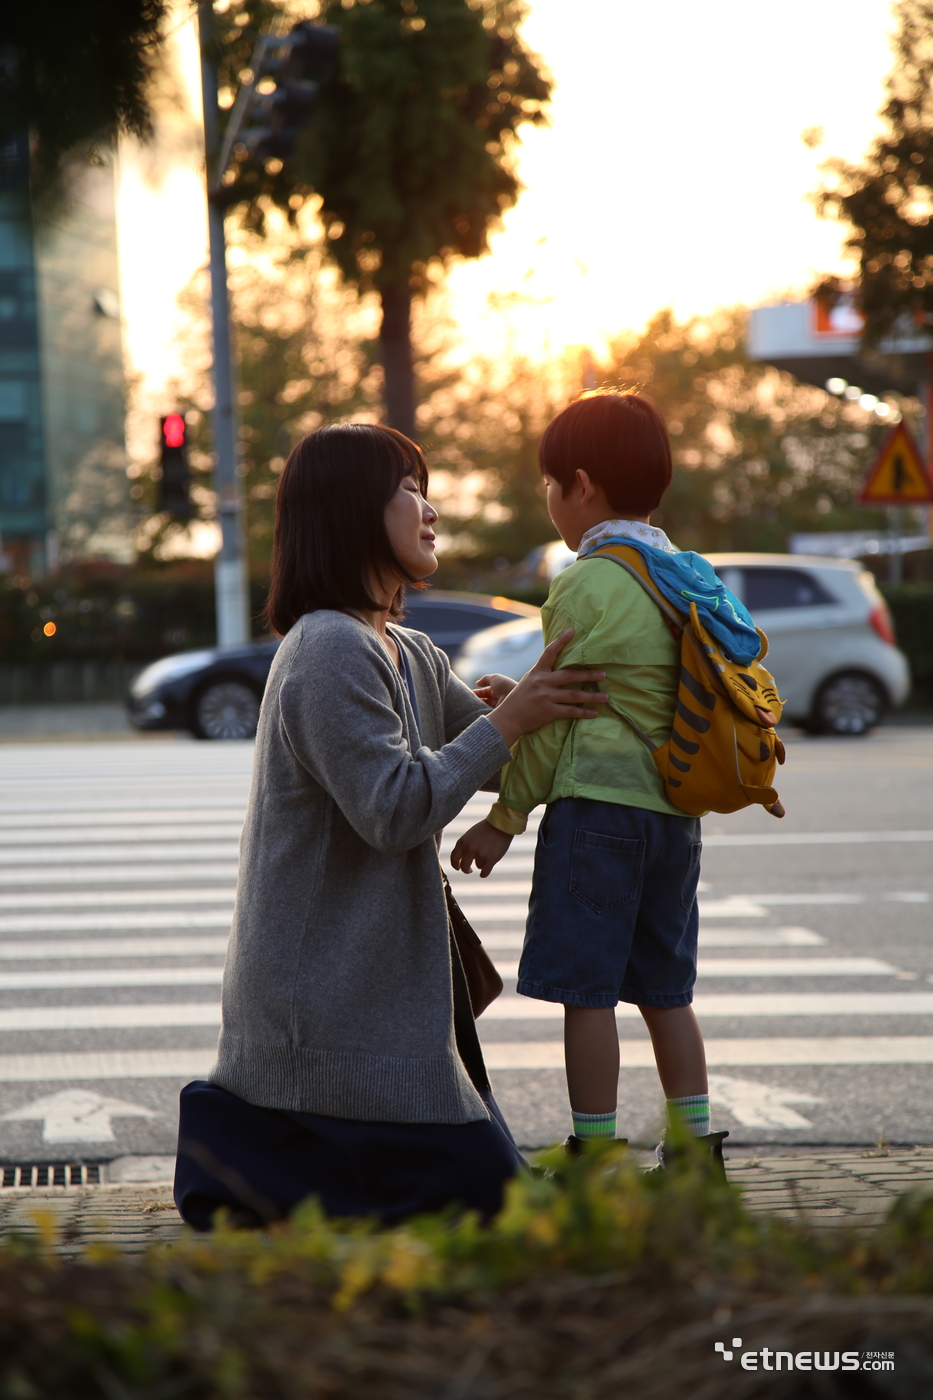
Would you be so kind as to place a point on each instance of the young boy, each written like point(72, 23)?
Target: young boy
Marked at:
point(613, 911)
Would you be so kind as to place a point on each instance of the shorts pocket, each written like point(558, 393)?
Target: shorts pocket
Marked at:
point(605, 870)
point(692, 878)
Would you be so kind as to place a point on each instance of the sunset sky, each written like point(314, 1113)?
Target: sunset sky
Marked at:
point(673, 173)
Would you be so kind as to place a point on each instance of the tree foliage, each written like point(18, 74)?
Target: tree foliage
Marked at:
point(757, 455)
point(72, 74)
point(412, 151)
point(411, 154)
point(888, 199)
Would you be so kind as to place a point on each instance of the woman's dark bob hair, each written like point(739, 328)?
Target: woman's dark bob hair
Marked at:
point(330, 535)
point(620, 441)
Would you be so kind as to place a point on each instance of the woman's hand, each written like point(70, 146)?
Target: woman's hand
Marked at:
point(542, 695)
point(494, 688)
point(483, 843)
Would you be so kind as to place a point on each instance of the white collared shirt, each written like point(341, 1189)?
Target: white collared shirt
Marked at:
point(648, 534)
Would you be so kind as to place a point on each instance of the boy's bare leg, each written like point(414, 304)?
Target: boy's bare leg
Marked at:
point(678, 1050)
point(591, 1054)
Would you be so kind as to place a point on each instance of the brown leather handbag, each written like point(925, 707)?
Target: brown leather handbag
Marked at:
point(483, 981)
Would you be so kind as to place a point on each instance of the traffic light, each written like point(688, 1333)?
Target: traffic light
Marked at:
point(176, 478)
point(300, 62)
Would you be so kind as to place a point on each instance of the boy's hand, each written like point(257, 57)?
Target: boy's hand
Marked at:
point(494, 688)
point(484, 844)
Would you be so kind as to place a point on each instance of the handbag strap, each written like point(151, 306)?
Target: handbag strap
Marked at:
point(468, 1046)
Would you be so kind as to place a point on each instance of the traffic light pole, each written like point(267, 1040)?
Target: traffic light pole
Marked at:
point(231, 579)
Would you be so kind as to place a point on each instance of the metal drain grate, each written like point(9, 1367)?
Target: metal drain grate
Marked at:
point(32, 1174)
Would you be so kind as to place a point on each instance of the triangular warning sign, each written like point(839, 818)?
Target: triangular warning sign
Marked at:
point(897, 476)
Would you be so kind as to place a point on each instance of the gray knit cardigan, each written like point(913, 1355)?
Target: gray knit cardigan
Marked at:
point(337, 992)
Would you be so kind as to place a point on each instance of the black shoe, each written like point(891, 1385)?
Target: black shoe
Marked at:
point(574, 1146)
point(667, 1154)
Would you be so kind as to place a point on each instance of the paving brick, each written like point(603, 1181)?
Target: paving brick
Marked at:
point(829, 1187)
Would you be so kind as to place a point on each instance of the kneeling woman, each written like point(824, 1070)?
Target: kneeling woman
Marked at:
point(348, 1066)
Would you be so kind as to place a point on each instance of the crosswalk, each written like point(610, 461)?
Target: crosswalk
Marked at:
point(117, 880)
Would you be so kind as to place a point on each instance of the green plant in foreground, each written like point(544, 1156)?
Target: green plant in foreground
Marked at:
point(593, 1274)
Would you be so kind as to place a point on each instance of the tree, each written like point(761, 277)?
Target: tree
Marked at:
point(411, 153)
point(888, 200)
point(76, 73)
point(757, 455)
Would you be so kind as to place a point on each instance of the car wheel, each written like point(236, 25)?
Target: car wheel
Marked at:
point(225, 709)
point(850, 703)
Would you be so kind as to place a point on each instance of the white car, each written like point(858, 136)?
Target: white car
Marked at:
point(831, 643)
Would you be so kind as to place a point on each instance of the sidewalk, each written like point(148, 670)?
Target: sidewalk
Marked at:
point(831, 1186)
point(824, 1187)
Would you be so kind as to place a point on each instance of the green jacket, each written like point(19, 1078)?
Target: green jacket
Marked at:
point(618, 629)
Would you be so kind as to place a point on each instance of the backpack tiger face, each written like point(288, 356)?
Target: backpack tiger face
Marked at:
point(751, 688)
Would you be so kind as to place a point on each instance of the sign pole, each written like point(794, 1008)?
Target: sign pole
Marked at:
point(896, 566)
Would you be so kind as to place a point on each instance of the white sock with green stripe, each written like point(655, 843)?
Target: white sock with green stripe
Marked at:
point(693, 1112)
point(593, 1125)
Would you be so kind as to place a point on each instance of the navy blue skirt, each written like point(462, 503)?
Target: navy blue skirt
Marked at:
point(260, 1163)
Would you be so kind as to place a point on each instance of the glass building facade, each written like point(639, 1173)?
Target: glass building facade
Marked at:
point(63, 487)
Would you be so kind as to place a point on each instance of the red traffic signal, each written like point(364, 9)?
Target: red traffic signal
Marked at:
point(174, 431)
point(174, 477)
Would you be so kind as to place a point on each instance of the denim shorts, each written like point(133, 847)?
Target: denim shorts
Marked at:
point(613, 912)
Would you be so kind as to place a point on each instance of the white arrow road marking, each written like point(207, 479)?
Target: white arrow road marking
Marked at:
point(759, 1105)
point(77, 1115)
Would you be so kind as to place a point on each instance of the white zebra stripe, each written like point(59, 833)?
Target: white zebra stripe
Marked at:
point(185, 1064)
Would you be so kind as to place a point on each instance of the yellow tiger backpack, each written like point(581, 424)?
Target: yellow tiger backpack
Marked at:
point(723, 752)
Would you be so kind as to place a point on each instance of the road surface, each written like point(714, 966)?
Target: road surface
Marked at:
point(117, 878)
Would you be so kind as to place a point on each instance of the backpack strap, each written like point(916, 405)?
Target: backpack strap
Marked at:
point(674, 618)
point(680, 626)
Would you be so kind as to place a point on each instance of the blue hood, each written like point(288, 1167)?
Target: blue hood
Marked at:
point(685, 578)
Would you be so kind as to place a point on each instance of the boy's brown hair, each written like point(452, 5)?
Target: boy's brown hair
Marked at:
point(620, 441)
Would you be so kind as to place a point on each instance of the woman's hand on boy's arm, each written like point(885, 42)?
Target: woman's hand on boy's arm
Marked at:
point(543, 694)
point(483, 844)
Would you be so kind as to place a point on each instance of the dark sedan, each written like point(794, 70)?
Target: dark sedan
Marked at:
point(216, 693)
